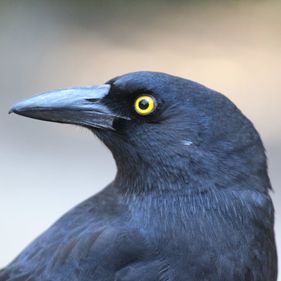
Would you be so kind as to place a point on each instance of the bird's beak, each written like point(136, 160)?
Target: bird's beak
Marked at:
point(81, 106)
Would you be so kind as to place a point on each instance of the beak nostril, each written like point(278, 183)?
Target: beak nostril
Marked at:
point(93, 100)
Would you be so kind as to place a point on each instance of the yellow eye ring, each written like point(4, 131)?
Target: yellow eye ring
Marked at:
point(145, 105)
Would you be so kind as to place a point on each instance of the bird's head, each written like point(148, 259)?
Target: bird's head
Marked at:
point(162, 126)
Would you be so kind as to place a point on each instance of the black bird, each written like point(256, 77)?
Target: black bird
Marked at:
point(190, 200)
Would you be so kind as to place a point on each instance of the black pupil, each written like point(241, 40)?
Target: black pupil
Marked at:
point(144, 104)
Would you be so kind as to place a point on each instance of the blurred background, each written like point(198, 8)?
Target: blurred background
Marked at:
point(45, 169)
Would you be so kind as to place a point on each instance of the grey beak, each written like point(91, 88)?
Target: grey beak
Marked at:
point(81, 106)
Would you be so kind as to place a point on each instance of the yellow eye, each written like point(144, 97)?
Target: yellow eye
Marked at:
point(145, 105)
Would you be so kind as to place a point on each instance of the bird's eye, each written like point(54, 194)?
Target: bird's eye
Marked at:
point(145, 105)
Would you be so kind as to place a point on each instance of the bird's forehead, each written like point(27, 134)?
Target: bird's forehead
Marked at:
point(140, 81)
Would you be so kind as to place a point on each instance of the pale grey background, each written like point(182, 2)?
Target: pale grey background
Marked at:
point(45, 168)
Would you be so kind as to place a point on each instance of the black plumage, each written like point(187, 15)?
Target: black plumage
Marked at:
point(190, 200)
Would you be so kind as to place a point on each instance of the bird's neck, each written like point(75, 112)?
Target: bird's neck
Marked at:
point(145, 178)
point(188, 173)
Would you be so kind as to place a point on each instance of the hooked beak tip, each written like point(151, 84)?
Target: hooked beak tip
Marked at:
point(17, 108)
point(12, 110)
